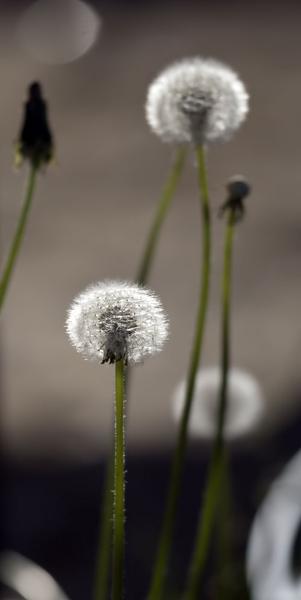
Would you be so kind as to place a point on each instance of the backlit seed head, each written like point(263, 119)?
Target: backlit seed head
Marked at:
point(273, 552)
point(115, 320)
point(196, 100)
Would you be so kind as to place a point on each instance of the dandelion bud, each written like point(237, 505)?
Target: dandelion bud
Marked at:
point(115, 320)
point(238, 187)
point(245, 403)
point(35, 141)
point(196, 100)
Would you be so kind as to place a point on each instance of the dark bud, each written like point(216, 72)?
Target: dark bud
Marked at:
point(238, 189)
point(35, 141)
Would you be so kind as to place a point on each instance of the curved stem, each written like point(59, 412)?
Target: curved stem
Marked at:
point(159, 575)
point(19, 233)
point(119, 486)
point(213, 486)
point(163, 206)
point(224, 561)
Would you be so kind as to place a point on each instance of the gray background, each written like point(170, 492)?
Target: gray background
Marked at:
point(93, 208)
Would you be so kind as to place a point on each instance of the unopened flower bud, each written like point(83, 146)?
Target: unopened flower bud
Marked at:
point(238, 187)
point(35, 141)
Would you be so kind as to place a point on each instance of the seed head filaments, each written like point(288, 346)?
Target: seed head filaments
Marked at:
point(114, 320)
point(196, 100)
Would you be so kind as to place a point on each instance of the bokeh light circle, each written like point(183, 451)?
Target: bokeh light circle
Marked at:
point(57, 32)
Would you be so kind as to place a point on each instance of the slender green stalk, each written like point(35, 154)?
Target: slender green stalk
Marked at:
point(163, 206)
point(213, 487)
point(103, 562)
point(19, 233)
point(159, 575)
point(226, 299)
point(119, 485)
point(224, 562)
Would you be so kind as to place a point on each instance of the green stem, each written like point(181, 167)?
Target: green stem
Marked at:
point(210, 503)
point(16, 243)
point(224, 563)
point(103, 561)
point(163, 206)
point(119, 485)
point(142, 275)
point(159, 575)
point(105, 535)
point(226, 299)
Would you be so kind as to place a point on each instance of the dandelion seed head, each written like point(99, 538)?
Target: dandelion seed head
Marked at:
point(196, 100)
point(245, 403)
point(25, 579)
point(114, 320)
point(271, 543)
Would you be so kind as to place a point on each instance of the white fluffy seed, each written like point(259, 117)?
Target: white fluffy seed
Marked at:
point(196, 100)
point(115, 320)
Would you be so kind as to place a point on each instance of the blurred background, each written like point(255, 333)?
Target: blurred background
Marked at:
point(91, 213)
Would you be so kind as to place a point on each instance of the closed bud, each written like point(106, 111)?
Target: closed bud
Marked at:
point(35, 142)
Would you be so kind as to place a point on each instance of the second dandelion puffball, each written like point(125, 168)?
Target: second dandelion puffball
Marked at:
point(115, 320)
point(196, 100)
point(245, 403)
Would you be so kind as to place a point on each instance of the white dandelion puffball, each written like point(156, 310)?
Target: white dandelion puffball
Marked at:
point(245, 403)
point(57, 32)
point(114, 320)
point(196, 100)
point(27, 578)
point(272, 538)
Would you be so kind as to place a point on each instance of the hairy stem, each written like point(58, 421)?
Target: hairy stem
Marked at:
point(119, 487)
point(103, 559)
point(154, 232)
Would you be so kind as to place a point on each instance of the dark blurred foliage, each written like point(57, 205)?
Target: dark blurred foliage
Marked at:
point(50, 512)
